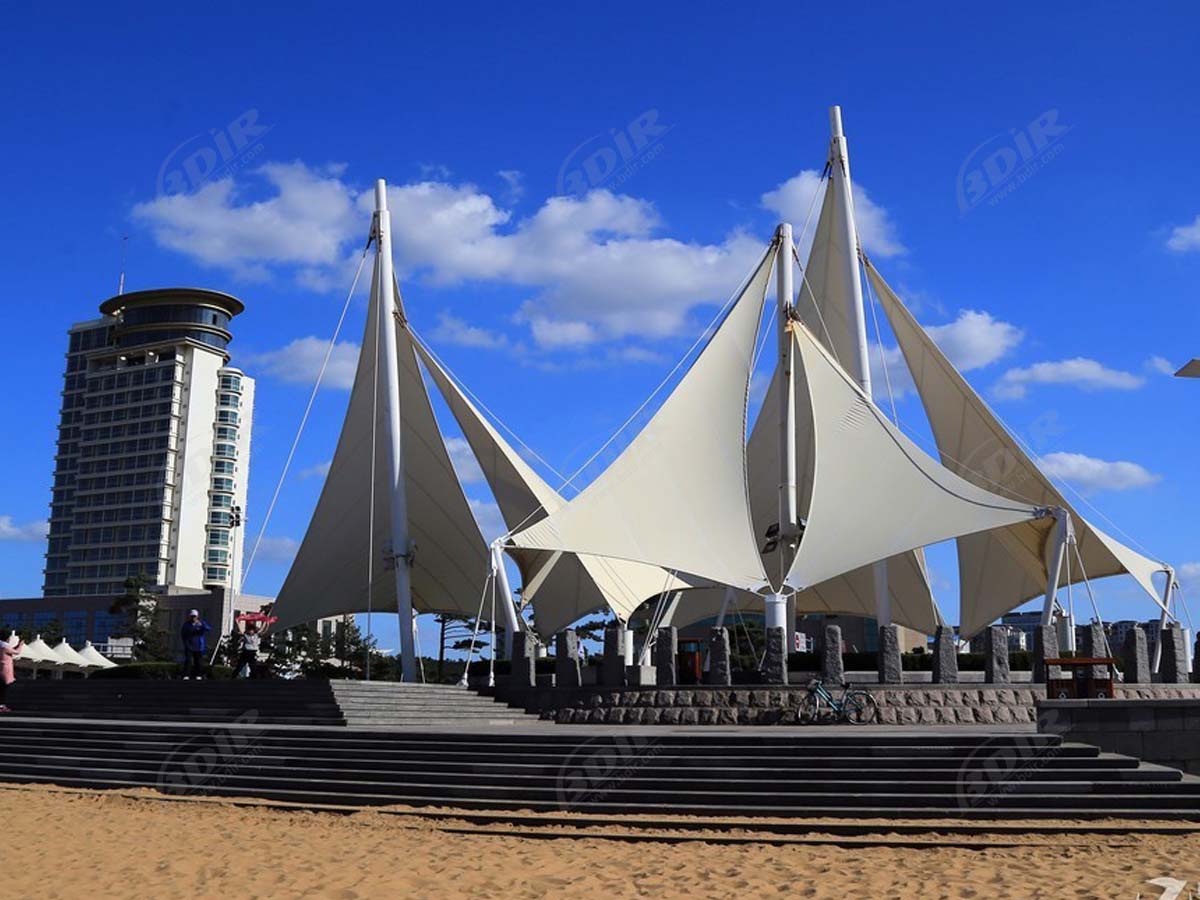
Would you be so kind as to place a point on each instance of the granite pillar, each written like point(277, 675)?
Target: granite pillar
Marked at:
point(775, 660)
point(612, 666)
point(524, 670)
point(1045, 646)
point(945, 656)
point(666, 651)
point(566, 659)
point(832, 671)
point(1095, 645)
point(890, 669)
point(719, 670)
point(1173, 669)
point(1136, 656)
point(995, 664)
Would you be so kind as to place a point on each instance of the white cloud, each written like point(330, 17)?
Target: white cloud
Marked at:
point(320, 470)
point(487, 514)
point(515, 181)
point(453, 330)
point(1091, 475)
point(1160, 365)
point(29, 532)
point(278, 549)
point(462, 457)
point(556, 334)
point(1185, 238)
point(1085, 374)
point(305, 223)
point(597, 259)
point(972, 341)
point(793, 199)
point(299, 362)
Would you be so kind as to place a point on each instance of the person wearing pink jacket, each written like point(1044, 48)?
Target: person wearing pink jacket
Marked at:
point(10, 649)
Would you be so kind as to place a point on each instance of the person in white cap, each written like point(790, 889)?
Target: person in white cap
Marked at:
point(195, 644)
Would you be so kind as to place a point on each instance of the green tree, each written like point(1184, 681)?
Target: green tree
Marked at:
point(143, 620)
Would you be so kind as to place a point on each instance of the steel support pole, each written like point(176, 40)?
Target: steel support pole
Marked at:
point(386, 306)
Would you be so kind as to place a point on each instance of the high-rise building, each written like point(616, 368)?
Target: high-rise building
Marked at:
point(153, 448)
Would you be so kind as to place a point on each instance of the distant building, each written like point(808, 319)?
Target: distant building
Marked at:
point(153, 448)
point(151, 468)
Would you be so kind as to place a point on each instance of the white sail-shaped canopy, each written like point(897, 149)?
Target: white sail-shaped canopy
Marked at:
point(95, 658)
point(37, 652)
point(676, 497)
point(561, 586)
point(854, 592)
point(826, 298)
point(70, 656)
point(998, 570)
point(875, 494)
point(449, 561)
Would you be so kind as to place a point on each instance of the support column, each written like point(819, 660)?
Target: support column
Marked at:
point(788, 513)
point(1164, 618)
point(1057, 553)
point(512, 623)
point(386, 306)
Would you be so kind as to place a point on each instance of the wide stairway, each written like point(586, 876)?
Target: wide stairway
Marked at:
point(712, 773)
point(390, 704)
point(266, 702)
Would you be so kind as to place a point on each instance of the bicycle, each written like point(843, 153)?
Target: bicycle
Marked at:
point(855, 706)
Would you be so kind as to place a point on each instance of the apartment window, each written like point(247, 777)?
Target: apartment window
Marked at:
point(226, 451)
point(214, 573)
point(231, 382)
point(223, 484)
point(220, 557)
point(230, 401)
point(225, 433)
point(224, 519)
point(218, 537)
point(227, 416)
point(223, 467)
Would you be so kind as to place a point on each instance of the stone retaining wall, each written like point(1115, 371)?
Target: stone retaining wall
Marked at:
point(898, 704)
point(1161, 729)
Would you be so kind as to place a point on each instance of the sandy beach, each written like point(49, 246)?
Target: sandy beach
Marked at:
point(94, 844)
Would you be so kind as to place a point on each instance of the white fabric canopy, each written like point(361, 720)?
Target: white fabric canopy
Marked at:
point(875, 493)
point(854, 592)
point(998, 570)
point(676, 496)
point(95, 658)
point(451, 561)
point(561, 586)
point(70, 657)
point(825, 301)
point(38, 652)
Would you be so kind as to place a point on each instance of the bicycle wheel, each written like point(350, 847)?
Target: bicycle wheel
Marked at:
point(810, 709)
point(859, 708)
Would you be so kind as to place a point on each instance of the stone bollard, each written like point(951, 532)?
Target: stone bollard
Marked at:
point(666, 652)
point(996, 670)
point(775, 660)
point(719, 670)
point(945, 656)
point(1173, 668)
point(1137, 656)
point(1095, 645)
point(524, 669)
point(612, 666)
point(832, 672)
point(1045, 646)
point(566, 659)
point(890, 669)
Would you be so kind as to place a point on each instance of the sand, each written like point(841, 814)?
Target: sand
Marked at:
point(95, 844)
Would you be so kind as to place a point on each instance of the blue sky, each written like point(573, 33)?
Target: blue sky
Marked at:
point(562, 294)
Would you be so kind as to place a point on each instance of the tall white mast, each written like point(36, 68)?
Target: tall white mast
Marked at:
point(839, 161)
point(399, 506)
point(776, 604)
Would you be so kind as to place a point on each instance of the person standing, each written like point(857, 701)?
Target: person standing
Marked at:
point(10, 649)
point(248, 656)
point(195, 644)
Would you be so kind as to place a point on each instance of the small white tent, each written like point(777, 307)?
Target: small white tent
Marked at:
point(95, 658)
